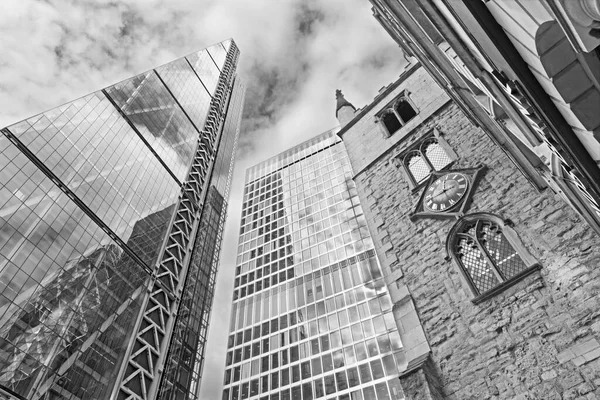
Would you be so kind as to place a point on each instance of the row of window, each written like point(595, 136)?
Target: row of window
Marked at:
point(266, 213)
point(384, 390)
point(300, 204)
point(364, 281)
point(293, 157)
point(375, 310)
point(275, 260)
point(323, 172)
point(300, 207)
point(358, 344)
point(319, 166)
point(337, 333)
point(330, 173)
point(309, 233)
point(346, 239)
point(310, 289)
point(351, 376)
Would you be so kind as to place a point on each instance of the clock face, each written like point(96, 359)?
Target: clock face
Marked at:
point(445, 192)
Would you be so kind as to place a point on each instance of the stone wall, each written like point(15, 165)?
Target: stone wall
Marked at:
point(367, 139)
point(538, 339)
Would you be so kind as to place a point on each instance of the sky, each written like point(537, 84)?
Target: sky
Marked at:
point(294, 54)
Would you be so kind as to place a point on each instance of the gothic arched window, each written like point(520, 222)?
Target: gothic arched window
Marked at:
point(418, 168)
point(396, 114)
point(429, 156)
point(489, 253)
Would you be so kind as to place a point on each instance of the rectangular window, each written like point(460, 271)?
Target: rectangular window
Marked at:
point(365, 373)
point(264, 384)
point(254, 387)
point(307, 391)
point(316, 366)
point(377, 369)
point(295, 373)
point(274, 380)
point(285, 377)
point(327, 363)
point(294, 353)
point(264, 364)
point(330, 384)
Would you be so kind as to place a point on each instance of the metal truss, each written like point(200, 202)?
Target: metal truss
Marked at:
point(140, 374)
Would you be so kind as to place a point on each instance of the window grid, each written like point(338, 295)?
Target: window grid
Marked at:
point(486, 255)
point(311, 310)
point(102, 160)
point(429, 156)
point(159, 119)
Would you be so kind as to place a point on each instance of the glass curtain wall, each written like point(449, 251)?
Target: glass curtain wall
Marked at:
point(87, 195)
point(311, 314)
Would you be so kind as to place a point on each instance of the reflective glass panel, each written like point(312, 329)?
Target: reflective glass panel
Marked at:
point(183, 82)
point(96, 154)
point(67, 291)
point(303, 230)
point(159, 119)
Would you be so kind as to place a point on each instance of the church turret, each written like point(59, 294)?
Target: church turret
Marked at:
point(344, 110)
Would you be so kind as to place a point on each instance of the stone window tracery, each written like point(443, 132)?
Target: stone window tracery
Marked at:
point(431, 153)
point(397, 114)
point(489, 254)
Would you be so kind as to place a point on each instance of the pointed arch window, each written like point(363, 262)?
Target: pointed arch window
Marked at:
point(431, 153)
point(396, 114)
point(489, 254)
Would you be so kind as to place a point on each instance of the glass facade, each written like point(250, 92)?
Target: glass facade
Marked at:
point(90, 194)
point(311, 314)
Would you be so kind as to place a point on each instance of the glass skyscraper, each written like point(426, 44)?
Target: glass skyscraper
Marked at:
point(111, 215)
point(311, 314)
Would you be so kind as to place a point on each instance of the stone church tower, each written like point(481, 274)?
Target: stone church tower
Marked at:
point(495, 283)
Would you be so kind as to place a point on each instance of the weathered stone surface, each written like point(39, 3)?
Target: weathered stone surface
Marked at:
point(538, 339)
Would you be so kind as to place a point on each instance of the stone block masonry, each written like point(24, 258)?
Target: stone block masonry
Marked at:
point(539, 339)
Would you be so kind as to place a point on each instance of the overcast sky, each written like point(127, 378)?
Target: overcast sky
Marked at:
point(294, 54)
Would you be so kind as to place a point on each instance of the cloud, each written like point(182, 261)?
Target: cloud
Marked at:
point(294, 54)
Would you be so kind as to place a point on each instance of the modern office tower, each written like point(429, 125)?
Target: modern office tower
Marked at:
point(111, 215)
point(311, 316)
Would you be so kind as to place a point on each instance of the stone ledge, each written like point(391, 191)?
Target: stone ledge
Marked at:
point(506, 284)
point(414, 364)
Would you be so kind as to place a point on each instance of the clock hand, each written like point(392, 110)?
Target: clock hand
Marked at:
point(444, 190)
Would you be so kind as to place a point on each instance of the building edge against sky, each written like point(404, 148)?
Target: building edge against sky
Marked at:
point(311, 315)
point(112, 209)
point(523, 331)
point(532, 66)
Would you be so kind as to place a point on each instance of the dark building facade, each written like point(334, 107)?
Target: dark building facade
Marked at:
point(493, 278)
point(112, 208)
